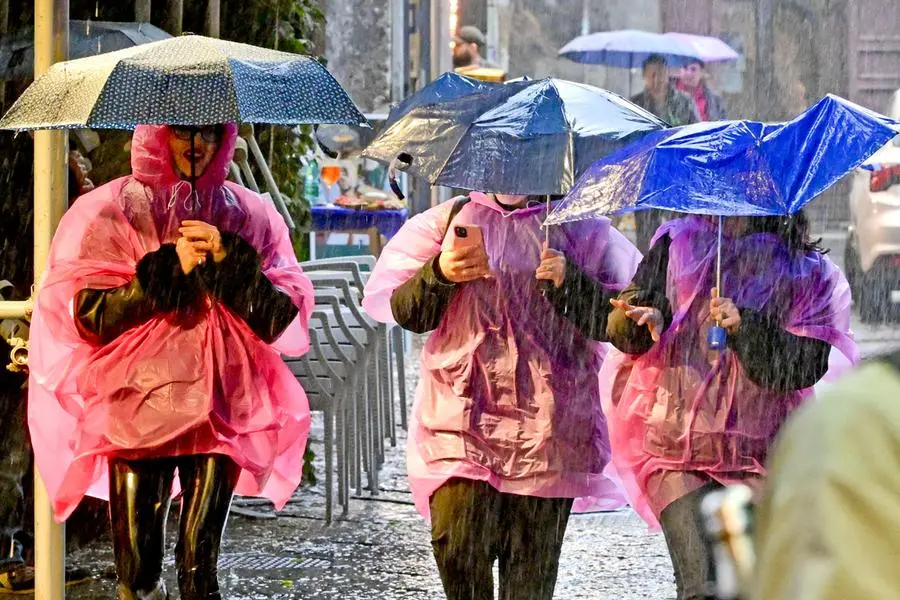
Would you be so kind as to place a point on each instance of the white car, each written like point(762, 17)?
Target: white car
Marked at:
point(872, 260)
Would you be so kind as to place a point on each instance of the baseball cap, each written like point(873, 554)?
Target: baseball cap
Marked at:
point(470, 34)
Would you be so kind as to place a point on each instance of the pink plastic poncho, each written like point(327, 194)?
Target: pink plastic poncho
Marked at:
point(164, 388)
point(508, 392)
point(681, 413)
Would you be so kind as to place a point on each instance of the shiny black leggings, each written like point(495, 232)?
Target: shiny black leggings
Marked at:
point(140, 493)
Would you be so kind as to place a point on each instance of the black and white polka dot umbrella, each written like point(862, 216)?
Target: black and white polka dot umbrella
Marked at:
point(188, 80)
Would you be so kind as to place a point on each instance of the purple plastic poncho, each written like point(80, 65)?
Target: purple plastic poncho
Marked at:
point(508, 391)
point(169, 386)
point(680, 413)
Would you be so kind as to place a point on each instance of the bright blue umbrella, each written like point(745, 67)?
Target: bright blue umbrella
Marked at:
point(524, 137)
point(732, 168)
point(627, 49)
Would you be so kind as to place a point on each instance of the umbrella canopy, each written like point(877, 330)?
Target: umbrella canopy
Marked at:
point(188, 80)
point(706, 48)
point(626, 49)
point(86, 38)
point(732, 168)
point(525, 137)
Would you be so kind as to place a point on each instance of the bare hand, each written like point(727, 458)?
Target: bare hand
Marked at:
point(205, 237)
point(644, 316)
point(724, 312)
point(552, 267)
point(189, 255)
point(465, 264)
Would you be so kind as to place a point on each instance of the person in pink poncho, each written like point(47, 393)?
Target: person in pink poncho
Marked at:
point(507, 427)
point(155, 349)
point(684, 419)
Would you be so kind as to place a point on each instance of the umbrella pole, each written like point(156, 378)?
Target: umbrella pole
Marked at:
point(51, 45)
point(719, 258)
point(717, 337)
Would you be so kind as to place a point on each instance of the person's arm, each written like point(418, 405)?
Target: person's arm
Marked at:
point(647, 289)
point(583, 301)
point(159, 286)
point(419, 304)
point(775, 359)
point(239, 282)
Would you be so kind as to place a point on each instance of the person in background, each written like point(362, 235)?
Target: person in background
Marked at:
point(468, 46)
point(685, 419)
point(827, 525)
point(663, 100)
point(506, 428)
point(692, 82)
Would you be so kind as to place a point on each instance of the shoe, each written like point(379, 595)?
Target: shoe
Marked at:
point(20, 580)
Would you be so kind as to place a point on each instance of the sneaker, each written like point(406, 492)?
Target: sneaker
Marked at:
point(20, 580)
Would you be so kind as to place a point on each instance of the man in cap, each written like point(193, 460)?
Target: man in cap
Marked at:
point(467, 47)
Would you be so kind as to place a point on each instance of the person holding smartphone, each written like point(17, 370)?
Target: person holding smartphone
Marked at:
point(685, 420)
point(507, 428)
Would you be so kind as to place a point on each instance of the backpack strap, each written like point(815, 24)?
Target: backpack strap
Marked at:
point(458, 203)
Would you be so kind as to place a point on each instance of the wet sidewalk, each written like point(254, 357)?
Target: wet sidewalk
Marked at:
point(382, 548)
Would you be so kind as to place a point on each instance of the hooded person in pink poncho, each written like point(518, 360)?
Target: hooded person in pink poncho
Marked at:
point(156, 346)
point(507, 427)
point(684, 419)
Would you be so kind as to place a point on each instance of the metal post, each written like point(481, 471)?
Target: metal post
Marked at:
point(765, 60)
point(51, 44)
point(213, 18)
point(175, 17)
point(142, 11)
point(399, 49)
point(493, 32)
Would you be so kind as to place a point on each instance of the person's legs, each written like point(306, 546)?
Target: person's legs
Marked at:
point(207, 483)
point(529, 559)
point(139, 498)
point(691, 554)
point(464, 528)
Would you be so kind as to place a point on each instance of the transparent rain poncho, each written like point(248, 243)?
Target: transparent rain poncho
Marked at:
point(681, 413)
point(168, 386)
point(508, 391)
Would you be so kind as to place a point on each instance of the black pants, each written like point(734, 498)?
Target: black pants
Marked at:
point(472, 525)
point(691, 553)
point(140, 494)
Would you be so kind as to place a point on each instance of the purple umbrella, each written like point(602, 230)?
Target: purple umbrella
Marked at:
point(705, 48)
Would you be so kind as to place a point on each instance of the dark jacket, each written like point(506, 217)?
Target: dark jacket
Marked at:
point(678, 110)
point(772, 358)
point(160, 286)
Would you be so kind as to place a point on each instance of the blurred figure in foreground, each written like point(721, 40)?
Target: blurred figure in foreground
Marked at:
point(663, 100)
point(827, 527)
point(692, 83)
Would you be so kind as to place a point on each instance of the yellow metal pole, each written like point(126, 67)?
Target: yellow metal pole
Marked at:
point(51, 45)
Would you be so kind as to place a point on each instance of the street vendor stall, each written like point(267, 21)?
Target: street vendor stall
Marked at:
point(354, 212)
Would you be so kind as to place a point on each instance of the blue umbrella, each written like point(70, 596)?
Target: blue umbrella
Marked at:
point(732, 168)
point(525, 137)
point(627, 49)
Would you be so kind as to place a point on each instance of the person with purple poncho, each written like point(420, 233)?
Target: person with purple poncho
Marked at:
point(685, 419)
point(507, 427)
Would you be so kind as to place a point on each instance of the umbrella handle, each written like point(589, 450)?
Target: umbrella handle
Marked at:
point(402, 162)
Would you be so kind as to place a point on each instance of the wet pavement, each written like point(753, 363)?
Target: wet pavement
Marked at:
point(382, 550)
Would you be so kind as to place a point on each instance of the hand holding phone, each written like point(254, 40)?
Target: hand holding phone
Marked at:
point(466, 260)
